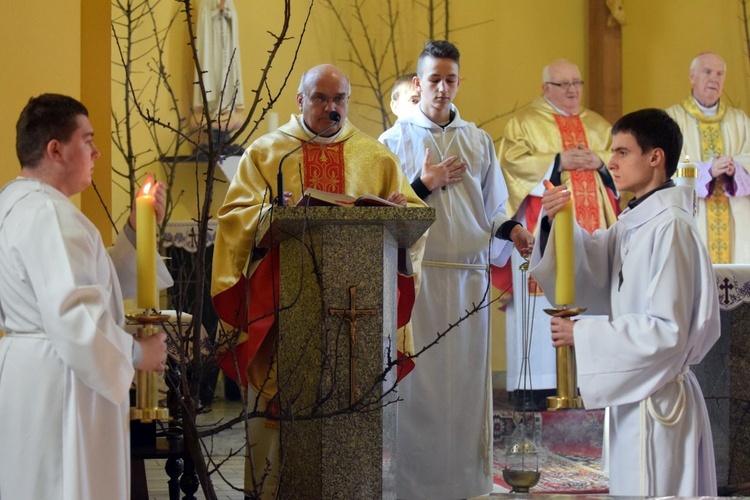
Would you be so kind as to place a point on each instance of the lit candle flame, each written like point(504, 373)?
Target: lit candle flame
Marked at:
point(146, 188)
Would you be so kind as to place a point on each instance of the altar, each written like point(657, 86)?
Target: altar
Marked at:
point(724, 376)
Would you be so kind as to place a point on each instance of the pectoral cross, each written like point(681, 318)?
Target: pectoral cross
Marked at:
point(726, 287)
point(352, 316)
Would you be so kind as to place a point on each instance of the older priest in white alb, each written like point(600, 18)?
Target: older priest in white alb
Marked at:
point(66, 364)
point(650, 275)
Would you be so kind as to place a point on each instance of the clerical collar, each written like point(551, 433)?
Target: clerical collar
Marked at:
point(558, 110)
point(637, 201)
point(318, 140)
point(708, 112)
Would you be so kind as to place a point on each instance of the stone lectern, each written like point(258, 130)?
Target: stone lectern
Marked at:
point(337, 339)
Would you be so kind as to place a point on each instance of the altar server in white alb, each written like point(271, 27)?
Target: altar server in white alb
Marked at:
point(651, 275)
point(66, 365)
point(444, 424)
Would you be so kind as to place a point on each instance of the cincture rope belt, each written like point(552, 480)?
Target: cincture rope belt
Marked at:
point(28, 335)
point(13, 335)
point(455, 265)
point(669, 420)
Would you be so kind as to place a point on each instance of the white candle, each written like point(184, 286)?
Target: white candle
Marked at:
point(272, 121)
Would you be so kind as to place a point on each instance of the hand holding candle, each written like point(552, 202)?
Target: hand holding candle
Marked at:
point(145, 209)
point(557, 203)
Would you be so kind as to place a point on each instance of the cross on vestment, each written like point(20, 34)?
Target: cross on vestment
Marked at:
point(352, 316)
point(726, 287)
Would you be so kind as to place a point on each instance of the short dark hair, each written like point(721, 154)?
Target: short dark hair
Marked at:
point(439, 49)
point(401, 82)
point(46, 117)
point(653, 128)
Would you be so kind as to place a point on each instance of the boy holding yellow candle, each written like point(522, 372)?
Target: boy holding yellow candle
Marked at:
point(650, 277)
point(66, 363)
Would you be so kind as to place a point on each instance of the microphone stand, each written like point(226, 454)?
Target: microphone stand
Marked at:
point(335, 118)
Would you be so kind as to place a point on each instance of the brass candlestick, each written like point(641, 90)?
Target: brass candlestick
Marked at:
point(147, 407)
point(567, 375)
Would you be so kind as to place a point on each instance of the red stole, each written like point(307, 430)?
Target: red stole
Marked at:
point(583, 183)
point(324, 167)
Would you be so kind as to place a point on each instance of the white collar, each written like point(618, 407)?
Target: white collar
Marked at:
point(709, 112)
point(558, 110)
point(318, 140)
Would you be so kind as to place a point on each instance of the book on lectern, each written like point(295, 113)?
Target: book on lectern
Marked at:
point(317, 198)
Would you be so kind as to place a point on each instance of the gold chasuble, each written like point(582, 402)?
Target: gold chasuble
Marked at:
point(718, 217)
point(242, 283)
point(531, 140)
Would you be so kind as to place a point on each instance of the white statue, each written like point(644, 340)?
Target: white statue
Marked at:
point(217, 40)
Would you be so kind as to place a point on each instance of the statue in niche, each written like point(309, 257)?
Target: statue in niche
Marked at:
point(217, 40)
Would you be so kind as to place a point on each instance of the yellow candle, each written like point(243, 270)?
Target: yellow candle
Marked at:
point(146, 249)
point(565, 287)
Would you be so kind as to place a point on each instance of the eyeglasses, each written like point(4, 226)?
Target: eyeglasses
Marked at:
point(566, 85)
point(322, 99)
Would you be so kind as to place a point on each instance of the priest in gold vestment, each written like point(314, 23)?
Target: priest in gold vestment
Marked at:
point(343, 161)
point(717, 140)
point(553, 139)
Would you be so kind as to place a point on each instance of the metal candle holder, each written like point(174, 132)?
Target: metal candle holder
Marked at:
point(567, 374)
point(147, 407)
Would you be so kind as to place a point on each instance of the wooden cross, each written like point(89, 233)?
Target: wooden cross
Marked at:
point(352, 316)
point(727, 286)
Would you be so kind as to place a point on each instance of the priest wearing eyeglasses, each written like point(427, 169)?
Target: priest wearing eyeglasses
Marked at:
point(326, 152)
point(556, 139)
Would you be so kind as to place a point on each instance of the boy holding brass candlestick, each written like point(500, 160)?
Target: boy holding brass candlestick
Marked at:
point(66, 364)
point(651, 277)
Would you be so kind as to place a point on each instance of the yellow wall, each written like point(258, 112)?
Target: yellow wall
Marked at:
point(661, 39)
point(40, 52)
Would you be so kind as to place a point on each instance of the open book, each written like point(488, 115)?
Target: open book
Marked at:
point(317, 198)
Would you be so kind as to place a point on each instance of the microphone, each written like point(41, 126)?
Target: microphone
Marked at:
point(335, 118)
